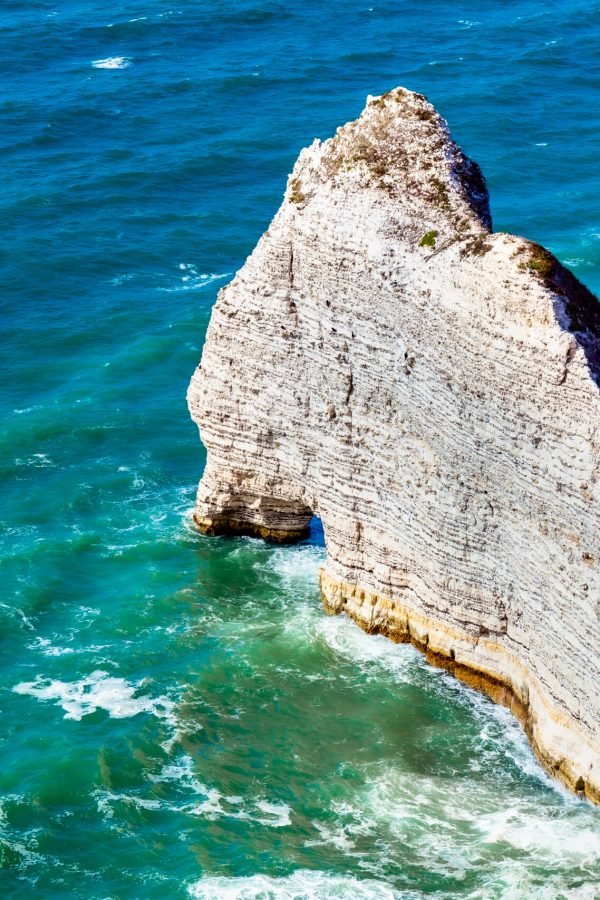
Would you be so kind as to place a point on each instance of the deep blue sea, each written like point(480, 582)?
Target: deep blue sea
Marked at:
point(178, 718)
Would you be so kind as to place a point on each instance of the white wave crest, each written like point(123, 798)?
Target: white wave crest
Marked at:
point(276, 815)
point(209, 802)
point(98, 691)
point(112, 62)
point(371, 653)
point(301, 885)
point(105, 801)
point(36, 461)
point(45, 646)
point(445, 823)
point(19, 614)
point(192, 280)
point(296, 565)
point(182, 773)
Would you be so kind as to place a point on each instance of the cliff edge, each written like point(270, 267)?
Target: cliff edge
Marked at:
point(429, 389)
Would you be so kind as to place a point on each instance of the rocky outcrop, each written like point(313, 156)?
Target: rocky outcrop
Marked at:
point(430, 390)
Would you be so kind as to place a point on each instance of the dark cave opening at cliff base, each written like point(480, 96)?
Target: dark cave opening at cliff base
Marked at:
point(316, 532)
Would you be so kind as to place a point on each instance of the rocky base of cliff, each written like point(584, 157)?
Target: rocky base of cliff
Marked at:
point(482, 664)
point(229, 527)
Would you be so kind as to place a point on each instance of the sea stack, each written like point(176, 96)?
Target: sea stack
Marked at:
point(430, 390)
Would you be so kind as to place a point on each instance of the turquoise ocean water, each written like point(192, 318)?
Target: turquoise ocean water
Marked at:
point(177, 716)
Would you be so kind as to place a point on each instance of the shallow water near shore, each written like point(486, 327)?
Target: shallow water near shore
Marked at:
point(178, 717)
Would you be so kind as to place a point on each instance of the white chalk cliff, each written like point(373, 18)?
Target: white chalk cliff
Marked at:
point(429, 389)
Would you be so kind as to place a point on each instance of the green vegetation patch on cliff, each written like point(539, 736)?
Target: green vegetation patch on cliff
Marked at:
point(429, 238)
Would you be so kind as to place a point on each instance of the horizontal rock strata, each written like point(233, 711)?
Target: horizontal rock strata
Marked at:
point(430, 390)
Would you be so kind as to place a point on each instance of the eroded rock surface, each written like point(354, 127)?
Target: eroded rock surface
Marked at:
point(430, 390)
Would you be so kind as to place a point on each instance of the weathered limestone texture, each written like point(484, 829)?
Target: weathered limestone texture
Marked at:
point(430, 390)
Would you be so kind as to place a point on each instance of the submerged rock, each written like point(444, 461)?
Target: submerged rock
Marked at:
point(430, 390)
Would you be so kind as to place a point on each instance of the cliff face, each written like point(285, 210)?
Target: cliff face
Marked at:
point(430, 390)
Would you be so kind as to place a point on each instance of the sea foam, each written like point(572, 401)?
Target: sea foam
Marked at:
point(192, 798)
point(98, 691)
point(300, 885)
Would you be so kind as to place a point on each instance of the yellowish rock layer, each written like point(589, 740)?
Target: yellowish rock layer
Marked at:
point(482, 664)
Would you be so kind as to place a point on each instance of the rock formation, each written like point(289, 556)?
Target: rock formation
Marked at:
point(429, 389)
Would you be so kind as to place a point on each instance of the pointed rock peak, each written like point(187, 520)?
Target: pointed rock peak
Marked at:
point(401, 146)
